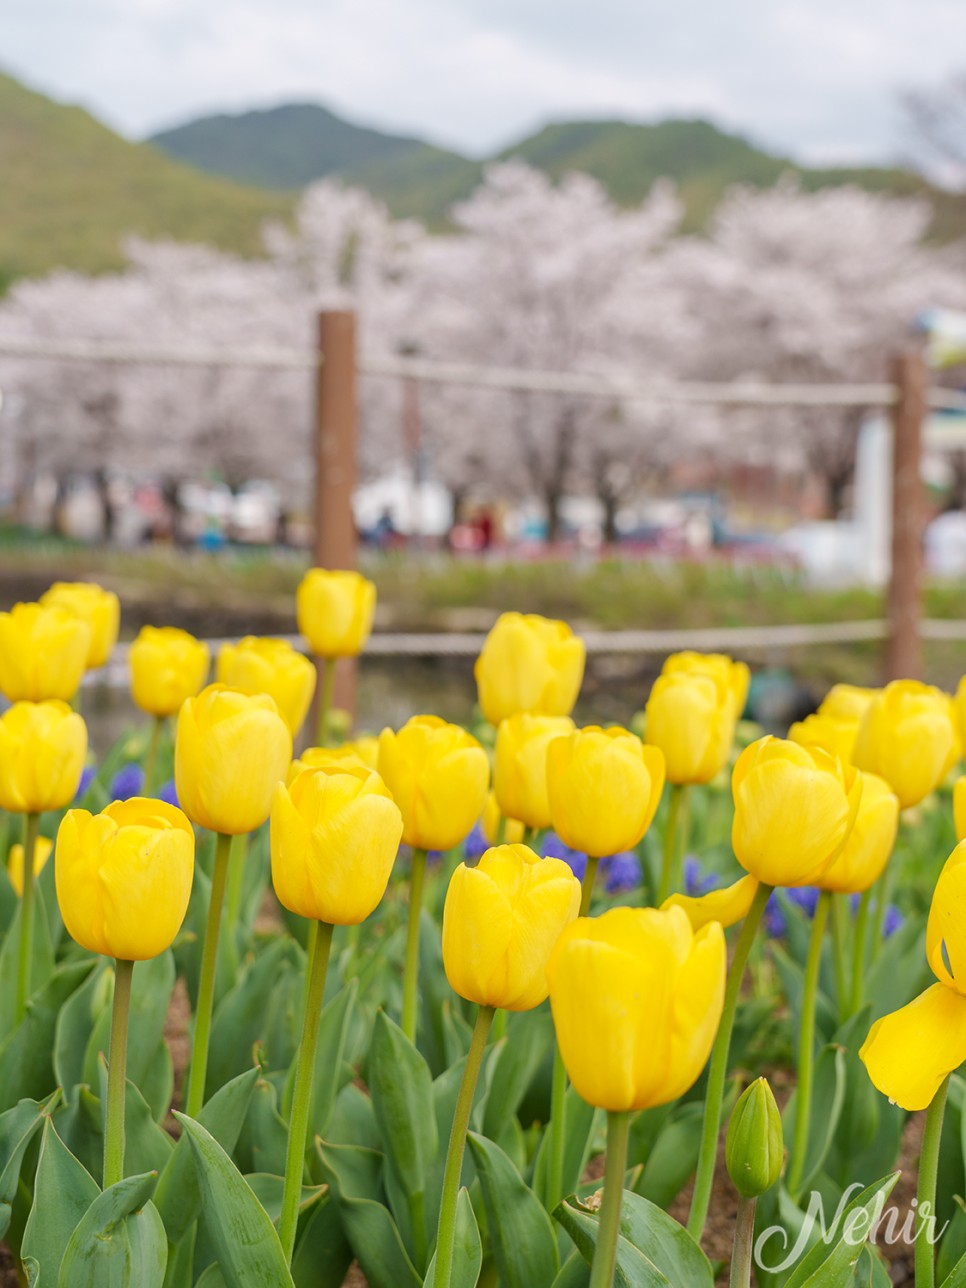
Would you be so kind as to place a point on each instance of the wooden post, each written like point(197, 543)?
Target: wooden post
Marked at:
point(904, 646)
point(334, 544)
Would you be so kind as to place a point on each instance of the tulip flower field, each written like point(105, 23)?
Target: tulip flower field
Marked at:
point(521, 1004)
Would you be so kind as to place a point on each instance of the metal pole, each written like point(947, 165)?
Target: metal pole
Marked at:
point(336, 415)
point(904, 646)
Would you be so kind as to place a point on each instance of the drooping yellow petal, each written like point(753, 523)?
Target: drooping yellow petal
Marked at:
point(726, 906)
point(909, 1052)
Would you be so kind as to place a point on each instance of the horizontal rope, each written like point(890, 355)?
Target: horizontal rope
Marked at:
point(754, 640)
point(736, 393)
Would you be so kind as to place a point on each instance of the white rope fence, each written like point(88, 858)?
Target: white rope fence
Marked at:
point(754, 640)
point(625, 387)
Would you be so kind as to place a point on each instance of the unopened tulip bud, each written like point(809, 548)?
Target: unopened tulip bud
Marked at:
point(754, 1147)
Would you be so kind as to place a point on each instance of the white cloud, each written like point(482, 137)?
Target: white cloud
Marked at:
point(810, 77)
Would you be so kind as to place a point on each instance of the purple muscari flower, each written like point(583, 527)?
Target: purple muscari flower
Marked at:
point(892, 921)
point(127, 782)
point(806, 897)
point(695, 883)
point(774, 917)
point(434, 856)
point(621, 872)
point(168, 793)
point(554, 848)
point(87, 777)
point(476, 844)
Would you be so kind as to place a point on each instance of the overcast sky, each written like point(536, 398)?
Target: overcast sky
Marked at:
point(816, 79)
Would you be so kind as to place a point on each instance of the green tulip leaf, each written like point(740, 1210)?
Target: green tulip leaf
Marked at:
point(329, 1074)
point(652, 1249)
point(513, 1064)
point(212, 1278)
point(952, 1247)
point(181, 1259)
point(574, 1273)
point(26, 1067)
point(75, 1023)
point(322, 1253)
point(41, 959)
point(146, 1147)
point(263, 1144)
point(119, 1241)
point(264, 1006)
point(673, 1156)
point(17, 1129)
point(178, 1195)
point(246, 1242)
point(402, 1098)
point(522, 1234)
point(353, 1120)
point(354, 1177)
point(467, 1247)
point(579, 1118)
point(63, 1191)
point(268, 1189)
point(832, 1260)
point(828, 1096)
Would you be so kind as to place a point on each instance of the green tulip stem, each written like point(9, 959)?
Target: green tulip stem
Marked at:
point(446, 1231)
point(411, 968)
point(840, 932)
point(151, 758)
point(806, 1045)
point(499, 835)
point(675, 841)
point(717, 1072)
point(302, 1094)
point(30, 825)
point(926, 1193)
point(529, 836)
point(558, 1131)
point(743, 1248)
point(860, 934)
point(587, 885)
point(326, 692)
point(236, 877)
point(206, 986)
point(117, 1075)
point(615, 1165)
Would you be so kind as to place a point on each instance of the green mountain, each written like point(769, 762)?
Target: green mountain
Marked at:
point(290, 146)
point(71, 190)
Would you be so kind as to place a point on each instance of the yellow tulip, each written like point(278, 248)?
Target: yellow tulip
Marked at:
point(908, 736)
point(43, 653)
point(99, 608)
point(866, 852)
point(167, 666)
point(520, 765)
point(334, 611)
point(334, 837)
point(325, 758)
point(794, 809)
point(231, 749)
point(529, 663)
point(959, 808)
point(833, 734)
point(42, 852)
point(124, 877)
point(272, 666)
point(42, 751)
point(909, 1052)
point(691, 717)
point(604, 787)
point(734, 676)
point(513, 829)
point(846, 702)
point(636, 997)
point(501, 920)
point(439, 777)
point(366, 747)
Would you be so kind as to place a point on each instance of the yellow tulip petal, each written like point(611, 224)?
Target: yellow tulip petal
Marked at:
point(726, 906)
point(909, 1052)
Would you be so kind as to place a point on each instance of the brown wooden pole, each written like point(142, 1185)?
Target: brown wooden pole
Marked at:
point(336, 416)
point(904, 646)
